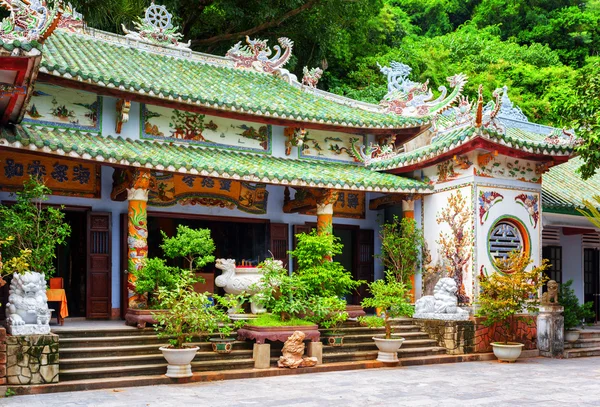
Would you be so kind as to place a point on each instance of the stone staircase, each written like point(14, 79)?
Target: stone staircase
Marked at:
point(109, 353)
point(588, 344)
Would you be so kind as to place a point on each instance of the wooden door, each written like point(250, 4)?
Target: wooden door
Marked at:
point(364, 266)
point(99, 267)
point(279, 242)
point(124, 269)
point(591, 279)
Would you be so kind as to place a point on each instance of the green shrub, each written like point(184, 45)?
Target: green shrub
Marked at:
point(574, 313)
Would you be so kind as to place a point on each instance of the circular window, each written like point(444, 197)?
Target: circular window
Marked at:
point(507, 235)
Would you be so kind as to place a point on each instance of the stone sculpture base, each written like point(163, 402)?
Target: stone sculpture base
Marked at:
point(550, 331)
point(456, 336)
point(464, 316)
point(29, 329)
point(32, 359)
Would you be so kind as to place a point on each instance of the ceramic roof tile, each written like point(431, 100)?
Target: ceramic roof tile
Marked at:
point(205, 161)
point(96, 60)
point(563, 190)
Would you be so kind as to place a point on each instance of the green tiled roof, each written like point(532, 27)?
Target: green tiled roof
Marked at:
point(204, 161)
point(98, 61)
point(514, 137)
point(563, 190)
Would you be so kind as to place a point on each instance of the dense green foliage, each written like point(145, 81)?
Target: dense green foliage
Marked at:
point(154, 275)
point(544, 50)
point(392, 297)
point(574, 313)
point(194, 245)
point(401, 243)
point(275, 320)
point(29, 224)
point(322, 276)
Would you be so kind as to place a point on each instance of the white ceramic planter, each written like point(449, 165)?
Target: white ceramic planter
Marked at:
point(179, 361)
point(388, 349)
point(509, 352)
point(571, 335)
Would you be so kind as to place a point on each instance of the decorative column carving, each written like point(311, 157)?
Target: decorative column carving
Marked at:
point(325, 201)
point(408, 208)
point(137, 236)
point(123, 107)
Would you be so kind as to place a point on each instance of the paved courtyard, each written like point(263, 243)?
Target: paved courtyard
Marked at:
point(544, 382)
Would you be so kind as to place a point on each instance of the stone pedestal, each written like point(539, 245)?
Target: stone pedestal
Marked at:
point(261, 353)
point(315, 349)
point(550, 331)
point(32, 359)
point(456, 336)
point(2, 356)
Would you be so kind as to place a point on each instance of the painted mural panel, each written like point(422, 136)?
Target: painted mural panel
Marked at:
point(328, 145)
point(508, 219)
point(448, 226)
point(64, 107)
point(63, 177)
point(161, 123)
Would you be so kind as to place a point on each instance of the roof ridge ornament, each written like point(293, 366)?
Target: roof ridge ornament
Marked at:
point(311, 76)
point(563, 137)
point(255, 55)
point(415, 99)
point(157, 28)
point(29, 20)
point(71, 20)
point(510, 111)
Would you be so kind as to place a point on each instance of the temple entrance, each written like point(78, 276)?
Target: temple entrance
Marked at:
point(70, 263)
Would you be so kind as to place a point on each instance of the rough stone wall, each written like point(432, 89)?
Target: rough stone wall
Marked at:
point(526, 333)
point(2, 356)
point(456, 336)
point(32, 359)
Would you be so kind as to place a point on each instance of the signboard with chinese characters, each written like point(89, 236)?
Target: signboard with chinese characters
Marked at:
point(161, 123)
point(64, 107)
point(167, 189)
point(348, 204)
point(331, 146)
point(63, 177)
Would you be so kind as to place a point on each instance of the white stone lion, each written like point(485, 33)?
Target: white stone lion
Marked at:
point(443, 304)
point(27, 307)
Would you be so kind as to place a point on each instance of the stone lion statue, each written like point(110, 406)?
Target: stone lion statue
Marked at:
point(551, 296)
point(293, 351)
point(443, 302)
point(27, 307)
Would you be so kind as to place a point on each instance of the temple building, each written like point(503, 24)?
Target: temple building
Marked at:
point(137, 133)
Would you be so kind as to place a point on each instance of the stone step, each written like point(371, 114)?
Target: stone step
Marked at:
point(149, 369)
point(586, 334)
point(125, 331)
point(92, 341)
point(363, 337)
point(372, 354)
point(369, 345)
point(581, 352)
point(586, 343)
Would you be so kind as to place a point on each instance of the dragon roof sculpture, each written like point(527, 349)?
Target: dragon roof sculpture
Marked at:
point(156, 27)
point(257, 54)
point(414, 99)
point(29, 20)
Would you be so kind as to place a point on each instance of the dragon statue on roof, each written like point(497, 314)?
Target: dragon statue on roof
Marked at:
point(311, 76)
point(257, 54)
point(29, 20)
point(156, 28)
point(414, 99)
point(71, 20)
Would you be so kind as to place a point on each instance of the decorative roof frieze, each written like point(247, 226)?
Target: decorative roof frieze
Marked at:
point(563, 137)
point(30, 22)
point(71, 20)
point(156, 27)
point(256, 55)
point(415, 99)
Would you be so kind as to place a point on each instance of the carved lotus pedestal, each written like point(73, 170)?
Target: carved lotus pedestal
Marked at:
point(388, 348)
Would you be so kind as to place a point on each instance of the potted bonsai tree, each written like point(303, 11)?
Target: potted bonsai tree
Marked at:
point(330, 313)
point(152, 276)
point(190, 314)
point(222, 322)
point(505, 295)
point(391, 296)
point(574, 313)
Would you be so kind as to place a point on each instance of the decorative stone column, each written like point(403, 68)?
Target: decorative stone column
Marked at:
point(325, 201)
point(550, 330)
point(137, 236)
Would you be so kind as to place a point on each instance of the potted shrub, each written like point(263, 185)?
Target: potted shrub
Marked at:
point(505, 295)
point(574, 313)
point(223, 324)
point(331, 316)
point(392, 297)
point(190, 314)
point(152, 276)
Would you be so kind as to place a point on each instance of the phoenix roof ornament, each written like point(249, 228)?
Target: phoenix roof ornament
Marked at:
point(257, 54)
point(415, 99)
point(156, 27)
